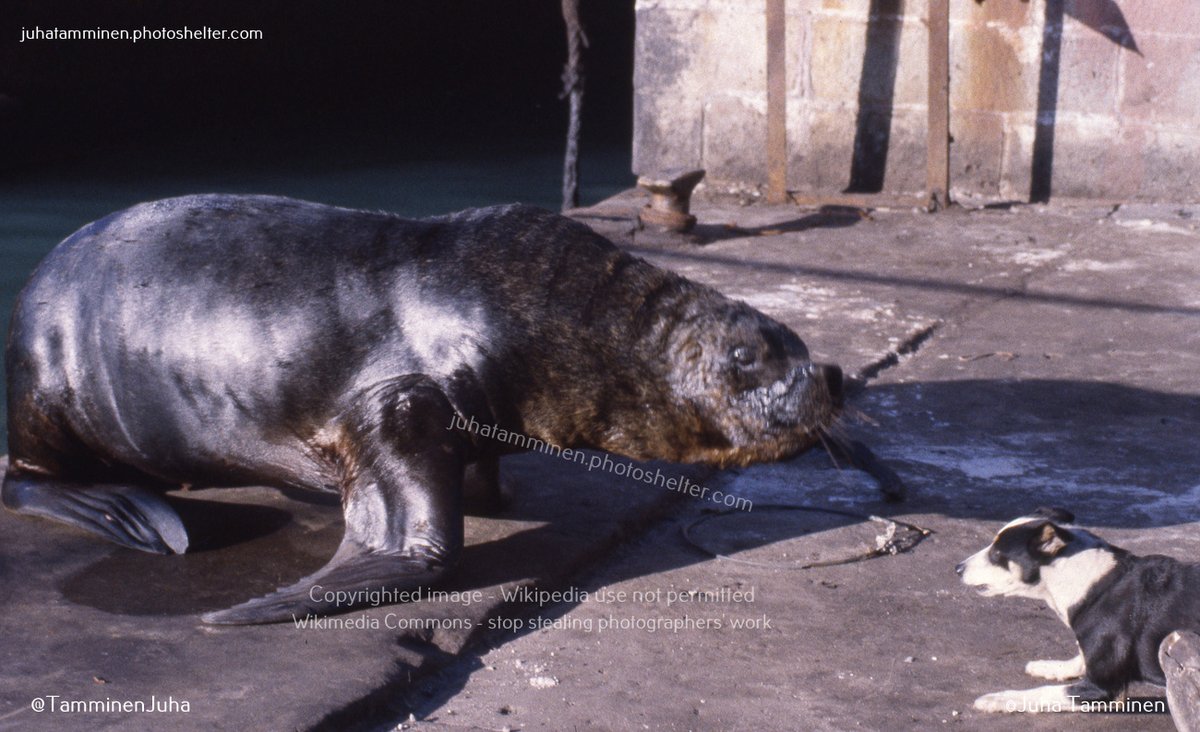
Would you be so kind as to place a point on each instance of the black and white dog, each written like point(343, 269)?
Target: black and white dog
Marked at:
point(1119, 606)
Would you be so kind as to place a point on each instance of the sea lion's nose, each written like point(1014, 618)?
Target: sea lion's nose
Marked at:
point(832, 376)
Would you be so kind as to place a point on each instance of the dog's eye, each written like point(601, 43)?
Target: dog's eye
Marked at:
point(996, 557)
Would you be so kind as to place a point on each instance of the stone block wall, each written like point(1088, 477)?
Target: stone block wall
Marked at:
point(1086, 98)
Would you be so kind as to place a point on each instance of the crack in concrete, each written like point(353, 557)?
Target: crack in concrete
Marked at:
point(964, 312)
point(907, 348)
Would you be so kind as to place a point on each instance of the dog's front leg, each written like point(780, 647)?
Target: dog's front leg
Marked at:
point(1058, 698)
point(1057, 670)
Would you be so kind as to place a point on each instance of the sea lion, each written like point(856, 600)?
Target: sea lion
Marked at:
point(222, 340)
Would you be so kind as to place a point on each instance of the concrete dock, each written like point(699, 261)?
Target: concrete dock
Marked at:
point(1013, 357)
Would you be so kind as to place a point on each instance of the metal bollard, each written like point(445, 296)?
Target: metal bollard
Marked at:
point(670, 199)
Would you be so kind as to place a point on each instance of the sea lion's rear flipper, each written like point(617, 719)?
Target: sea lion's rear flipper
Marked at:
point(131, 516)
point(341, 585)
point(403, 507)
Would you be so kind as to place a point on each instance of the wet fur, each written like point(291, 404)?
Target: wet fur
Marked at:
point(238, 340)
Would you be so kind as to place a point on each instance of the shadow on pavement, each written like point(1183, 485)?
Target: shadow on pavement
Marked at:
point(1117, 456)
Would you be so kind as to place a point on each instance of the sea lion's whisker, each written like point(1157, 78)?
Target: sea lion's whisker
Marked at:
point(828, 449)
point(859, 415)
point(837, 431)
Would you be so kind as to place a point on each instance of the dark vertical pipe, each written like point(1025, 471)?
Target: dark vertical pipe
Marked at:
point(776, 102)
point(937, 174)
point(572, 79)
point(876, 89)
point(1042, 165)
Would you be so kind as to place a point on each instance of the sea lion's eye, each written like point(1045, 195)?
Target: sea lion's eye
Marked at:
point(743, 356)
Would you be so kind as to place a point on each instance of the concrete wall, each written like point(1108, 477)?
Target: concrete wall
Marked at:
point(1120, 100)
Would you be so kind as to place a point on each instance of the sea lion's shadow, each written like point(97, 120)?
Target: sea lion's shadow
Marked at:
point(1059, 428)
point(996, 428)
point(237, 548)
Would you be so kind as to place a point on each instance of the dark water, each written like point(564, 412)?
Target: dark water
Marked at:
point(40, 210)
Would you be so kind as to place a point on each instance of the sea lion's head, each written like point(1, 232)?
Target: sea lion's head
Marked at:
point(754, 393)
point(664, 368)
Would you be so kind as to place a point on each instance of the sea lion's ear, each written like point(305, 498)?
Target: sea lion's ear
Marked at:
point(1058, 515)
point(1049, 540)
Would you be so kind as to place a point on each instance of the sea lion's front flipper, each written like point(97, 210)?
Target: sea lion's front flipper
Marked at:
point(403, 507)
point(132, 516)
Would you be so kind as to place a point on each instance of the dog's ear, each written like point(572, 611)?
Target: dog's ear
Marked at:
point(1058, 515)
point(1049, 540)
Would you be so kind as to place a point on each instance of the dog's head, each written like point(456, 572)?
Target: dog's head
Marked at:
point(1014, 563)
